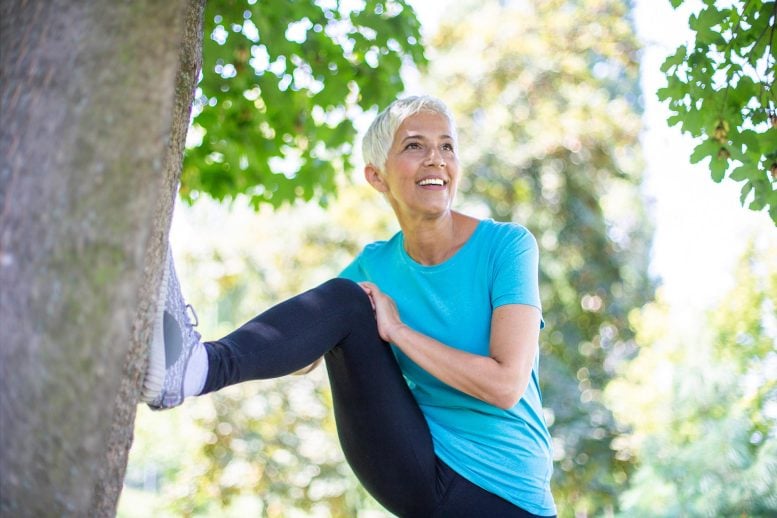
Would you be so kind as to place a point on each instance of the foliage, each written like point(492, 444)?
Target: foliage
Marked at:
point(721, 88)
point(547, 97)
point(703, 406)
point(281, 85)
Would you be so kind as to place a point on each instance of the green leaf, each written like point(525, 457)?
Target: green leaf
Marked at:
point(675, 59)
point(707, 148)
point(695, 121)
point(675, 119)
point(746, 188)
point(740, 173)
point(709, 18)
point(707, 37)
point(675, 89)
point(745, 90)
point(750, 139)
point(718, 165)
point(759, 201)
point(767, 141)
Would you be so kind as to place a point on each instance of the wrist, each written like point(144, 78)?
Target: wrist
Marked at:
point(396, 332)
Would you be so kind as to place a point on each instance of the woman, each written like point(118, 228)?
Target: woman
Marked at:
point(446, 420)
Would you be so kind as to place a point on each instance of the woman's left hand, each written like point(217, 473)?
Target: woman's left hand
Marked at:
point(386, 312)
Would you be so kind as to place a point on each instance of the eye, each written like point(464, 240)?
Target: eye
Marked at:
point(447, 147)
point(413, 145)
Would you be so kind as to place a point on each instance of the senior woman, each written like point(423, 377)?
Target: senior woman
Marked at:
point(430, 341)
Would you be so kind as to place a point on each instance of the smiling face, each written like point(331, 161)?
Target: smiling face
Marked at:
point(422, 168)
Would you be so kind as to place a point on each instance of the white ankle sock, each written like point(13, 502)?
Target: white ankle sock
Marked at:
point(196, 371)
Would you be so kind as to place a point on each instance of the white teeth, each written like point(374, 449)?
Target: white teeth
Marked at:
point(431, 181)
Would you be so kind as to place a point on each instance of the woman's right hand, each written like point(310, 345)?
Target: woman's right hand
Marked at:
point(386, 312)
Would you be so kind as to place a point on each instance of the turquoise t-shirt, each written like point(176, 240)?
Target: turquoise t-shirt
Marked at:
point(507, 452)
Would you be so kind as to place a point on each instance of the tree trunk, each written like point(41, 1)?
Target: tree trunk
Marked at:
point(96, 99)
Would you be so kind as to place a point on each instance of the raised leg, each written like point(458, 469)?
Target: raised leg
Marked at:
point(382, 431)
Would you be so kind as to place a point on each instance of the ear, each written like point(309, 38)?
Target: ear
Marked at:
point(373, 177)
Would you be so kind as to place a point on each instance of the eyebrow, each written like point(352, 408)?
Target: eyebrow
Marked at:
point(445, 136)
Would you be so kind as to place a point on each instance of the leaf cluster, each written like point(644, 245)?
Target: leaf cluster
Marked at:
point(721, 89)
point(281, 85)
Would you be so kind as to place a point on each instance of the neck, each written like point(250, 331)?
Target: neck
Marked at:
point(431, 241)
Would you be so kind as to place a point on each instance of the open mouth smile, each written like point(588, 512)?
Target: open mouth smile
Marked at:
point(439, 182)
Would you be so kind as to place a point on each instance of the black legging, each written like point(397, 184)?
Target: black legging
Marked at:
point(382, 431)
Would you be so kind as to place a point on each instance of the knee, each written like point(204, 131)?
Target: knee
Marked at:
point(350, 295)
point(344, 288)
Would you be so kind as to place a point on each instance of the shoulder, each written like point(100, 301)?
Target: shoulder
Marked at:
point(378, 252)
point(508, 234)
point(378, 248)
point(371, 257)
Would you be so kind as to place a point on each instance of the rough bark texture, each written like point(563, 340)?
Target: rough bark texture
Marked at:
point(95, 104)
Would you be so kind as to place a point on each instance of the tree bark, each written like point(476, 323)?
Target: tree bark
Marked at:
point(95, 99)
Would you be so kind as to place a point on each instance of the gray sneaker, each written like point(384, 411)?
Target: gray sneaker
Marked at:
point(171, 345)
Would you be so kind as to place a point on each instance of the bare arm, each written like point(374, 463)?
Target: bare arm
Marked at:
point(499, 378)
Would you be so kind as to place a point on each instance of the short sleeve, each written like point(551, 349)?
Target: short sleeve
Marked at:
point(516, 269)
point(354, 271)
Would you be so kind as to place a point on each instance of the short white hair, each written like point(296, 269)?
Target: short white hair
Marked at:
point(380, 135)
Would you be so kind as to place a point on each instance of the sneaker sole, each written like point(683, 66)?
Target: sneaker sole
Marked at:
point(155, 373)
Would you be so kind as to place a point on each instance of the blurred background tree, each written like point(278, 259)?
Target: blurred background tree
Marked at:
point(702, 403)
point(549, 114)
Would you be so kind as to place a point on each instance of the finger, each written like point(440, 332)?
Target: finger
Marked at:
point(367, 289)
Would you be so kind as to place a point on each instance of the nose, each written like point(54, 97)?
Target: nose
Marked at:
point(434, 158)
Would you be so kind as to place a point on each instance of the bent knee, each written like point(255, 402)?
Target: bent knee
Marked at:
point(344, 288)
point(349, 294)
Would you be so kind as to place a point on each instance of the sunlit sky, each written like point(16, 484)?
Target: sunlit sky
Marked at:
point(700, 228)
